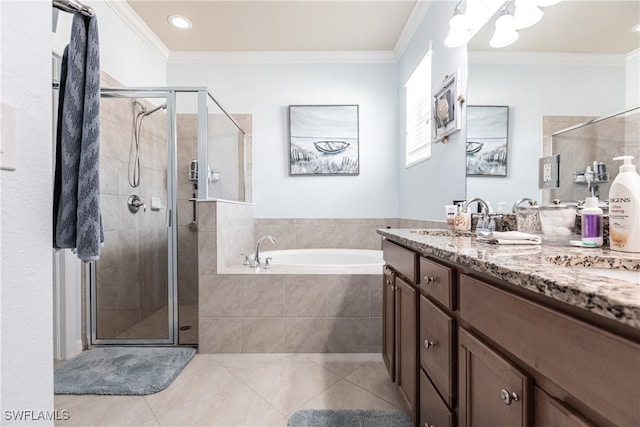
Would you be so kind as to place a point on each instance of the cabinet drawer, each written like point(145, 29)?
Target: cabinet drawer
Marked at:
point(550, 412)
point(437, 281)
point(599, 369)
point(433, 411)
point(400, 259)
point(436, 348)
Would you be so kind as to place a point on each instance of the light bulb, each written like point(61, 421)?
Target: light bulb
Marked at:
point(505, 34)
point(526, 14)
point(458, 32)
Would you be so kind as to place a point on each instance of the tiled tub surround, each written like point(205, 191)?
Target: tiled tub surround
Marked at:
point(261, 311)
point(276, 313)
point(543, 269)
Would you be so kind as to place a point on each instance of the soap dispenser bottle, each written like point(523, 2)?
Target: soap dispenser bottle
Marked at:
point(591, 223)
point(624, 208)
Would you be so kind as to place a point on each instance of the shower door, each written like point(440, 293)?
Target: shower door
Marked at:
point(132, 291)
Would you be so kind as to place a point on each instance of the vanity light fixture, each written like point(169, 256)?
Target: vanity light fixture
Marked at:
point(506, 33)
point(180, 21)
point(527, 13)
point(459, 33)
point(463, 26)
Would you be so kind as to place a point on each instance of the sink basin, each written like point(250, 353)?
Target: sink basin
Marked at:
point(443, 232)
point(613, 273)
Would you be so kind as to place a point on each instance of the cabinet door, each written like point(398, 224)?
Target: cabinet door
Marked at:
point(437, 348)
point(388, 322)
point(550, 412)
point(406, 337)
point(493, 392)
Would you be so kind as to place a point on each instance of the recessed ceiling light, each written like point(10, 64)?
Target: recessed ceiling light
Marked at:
point(180, 21)
point(636, 28)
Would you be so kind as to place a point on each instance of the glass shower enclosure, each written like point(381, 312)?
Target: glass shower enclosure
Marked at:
point(144, 287)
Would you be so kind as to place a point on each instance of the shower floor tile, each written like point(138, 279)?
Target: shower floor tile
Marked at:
point(244, 390)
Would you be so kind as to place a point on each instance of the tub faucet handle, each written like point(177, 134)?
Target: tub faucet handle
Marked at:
point(266, 262)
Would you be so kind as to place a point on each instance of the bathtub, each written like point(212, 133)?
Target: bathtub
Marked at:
point(360, 261)
point(316, 261)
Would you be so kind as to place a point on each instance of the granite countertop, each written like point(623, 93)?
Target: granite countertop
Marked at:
point(544, 269)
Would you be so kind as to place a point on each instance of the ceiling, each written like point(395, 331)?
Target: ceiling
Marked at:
point(571, 26)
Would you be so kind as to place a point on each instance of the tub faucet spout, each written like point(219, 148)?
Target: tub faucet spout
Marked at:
point(256, 258)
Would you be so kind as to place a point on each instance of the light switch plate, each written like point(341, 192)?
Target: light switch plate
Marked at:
point(7, 138)
point(549, 172)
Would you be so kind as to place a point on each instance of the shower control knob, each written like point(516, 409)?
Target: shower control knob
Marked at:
point(134, 203)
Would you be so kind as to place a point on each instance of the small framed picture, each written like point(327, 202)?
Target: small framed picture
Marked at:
point(487, 130)
point(446, 108)
point(324, 140)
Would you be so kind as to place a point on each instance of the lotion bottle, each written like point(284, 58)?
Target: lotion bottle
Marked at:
point(591, 223)
point(624, 208)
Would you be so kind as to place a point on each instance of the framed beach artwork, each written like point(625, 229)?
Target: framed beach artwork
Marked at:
point(446, 108)
point(487, 130)
point(324, 140)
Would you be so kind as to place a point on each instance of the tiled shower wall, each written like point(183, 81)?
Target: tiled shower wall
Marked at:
point(132, 270)
point(602, 141)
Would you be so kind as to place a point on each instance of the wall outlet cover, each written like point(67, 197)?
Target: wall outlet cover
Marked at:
point(549, 172)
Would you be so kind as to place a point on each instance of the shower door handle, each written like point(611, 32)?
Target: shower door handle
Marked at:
point(169, 216)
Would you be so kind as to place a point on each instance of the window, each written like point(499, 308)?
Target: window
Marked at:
point(418, 113)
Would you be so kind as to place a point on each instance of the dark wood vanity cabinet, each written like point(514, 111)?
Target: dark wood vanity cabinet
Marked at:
point(482, 354)
point(400, 331)
point(389, 322)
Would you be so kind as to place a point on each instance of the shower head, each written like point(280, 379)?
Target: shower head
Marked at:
point(160, 107)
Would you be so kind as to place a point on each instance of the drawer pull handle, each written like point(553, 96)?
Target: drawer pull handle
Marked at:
point(428, 425)
point(507, 397)
point(429, 279)
point(429, 344)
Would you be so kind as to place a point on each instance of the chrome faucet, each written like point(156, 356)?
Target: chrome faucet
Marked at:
point(520, 201)
point(256, 258)
point(485, 205)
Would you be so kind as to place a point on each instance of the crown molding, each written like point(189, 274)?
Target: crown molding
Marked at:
point(634, 55)
point(282, 57)
point(547, 58)
point(417, 15)
point(131, 18)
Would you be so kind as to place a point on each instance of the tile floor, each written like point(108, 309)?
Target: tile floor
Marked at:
point(244, 390)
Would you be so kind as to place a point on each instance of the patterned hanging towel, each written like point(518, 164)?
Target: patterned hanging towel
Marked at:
point(78, 222)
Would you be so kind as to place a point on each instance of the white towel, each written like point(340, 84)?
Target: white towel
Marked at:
point(509, 238)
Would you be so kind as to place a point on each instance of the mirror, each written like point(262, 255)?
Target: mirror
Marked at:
point(581, 60)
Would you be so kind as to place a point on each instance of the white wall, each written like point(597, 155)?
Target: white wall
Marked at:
point(265, 90)
point(25, 209)
point(531, 91)
point(424, 189)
